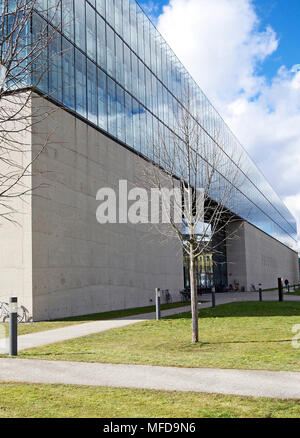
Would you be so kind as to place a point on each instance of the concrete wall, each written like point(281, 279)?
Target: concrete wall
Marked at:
point(254, 257)
point(80, 266)
point(15, 228)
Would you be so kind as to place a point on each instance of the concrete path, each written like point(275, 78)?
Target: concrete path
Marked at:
point(281, 385)
point(85, 329)
point(79, 330)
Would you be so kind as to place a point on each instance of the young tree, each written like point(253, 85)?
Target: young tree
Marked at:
point(24, 64)
point(208, 173)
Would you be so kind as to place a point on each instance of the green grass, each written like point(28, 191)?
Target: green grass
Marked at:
point(58, 401)
point(293, 293)
point(236, 335)
point(24, 329)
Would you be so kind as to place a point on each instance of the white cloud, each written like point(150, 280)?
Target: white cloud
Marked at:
point(223, 46)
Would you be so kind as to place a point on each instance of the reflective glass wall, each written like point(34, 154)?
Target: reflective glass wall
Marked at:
point(117, 71)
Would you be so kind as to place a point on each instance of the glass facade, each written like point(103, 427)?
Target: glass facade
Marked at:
point(116, 71)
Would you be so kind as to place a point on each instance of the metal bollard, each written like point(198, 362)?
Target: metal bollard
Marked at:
point(260, 292)
point(158, 312)
point(280, 289)
point(13, 326)
point(213, 296)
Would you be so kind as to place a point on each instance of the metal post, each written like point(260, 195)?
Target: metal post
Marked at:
point(260, 292)
point(280, 291)
point(213, 296)
point(158, 312)
point(13, 326)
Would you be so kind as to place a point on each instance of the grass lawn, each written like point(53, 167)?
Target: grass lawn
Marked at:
point(24, 329)
point(293, 293)
point(238, 335)
point(57, 401)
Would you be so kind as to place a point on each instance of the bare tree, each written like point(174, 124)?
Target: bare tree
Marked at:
point(24, 63)
point(209, 177)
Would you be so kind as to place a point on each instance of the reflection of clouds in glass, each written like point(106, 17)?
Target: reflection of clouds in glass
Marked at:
point(112, 102)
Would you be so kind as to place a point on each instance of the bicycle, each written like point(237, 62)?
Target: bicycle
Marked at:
point(4, 312)
point(23, 313)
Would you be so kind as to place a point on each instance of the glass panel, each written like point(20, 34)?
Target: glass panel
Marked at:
point(102, 100)
point(119, 17)
point(92, 91)
point(133, 25)
point(111, 107)
point(100, 6)
point(80, 76)
point(126, 21)
point(136, 125)
point(119, 61)
point(91, 32)
point(121, 134)
point(127, 68)
point(128, 112)
point(55, 73)
point(111, 57)
point(110, 12)
point(135, 79)
point(101, 42)
point(68, 18)
point(80, 23)
point(68, 74)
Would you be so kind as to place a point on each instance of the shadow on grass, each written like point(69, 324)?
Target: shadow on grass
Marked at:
point(136, 313)
point(246, 309)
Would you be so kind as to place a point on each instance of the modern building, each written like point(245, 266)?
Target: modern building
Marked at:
point(113, 83)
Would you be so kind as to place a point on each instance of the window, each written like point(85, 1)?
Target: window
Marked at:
point(121, 134)
point(102, 99)
point(80, 77)
point(100, 6)
point(54, 69)
point(80, 23)
point(111, 107)
point(119, 17)
point(111, 57)
point(91, 32)
point(92, 91)
point(101, 42)
point(119, 61)
point(68, 74)
point(128, 115)
point(110, 12)
point(68, 18)
point(136, 125)
point(127, 68)
point(126, 21)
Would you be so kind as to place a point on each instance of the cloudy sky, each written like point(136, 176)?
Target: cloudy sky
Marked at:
point(245, 55)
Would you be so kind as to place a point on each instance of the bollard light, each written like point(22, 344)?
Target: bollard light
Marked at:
point(158, 312)
point(213, 296)
point(13, 326)
point(260, 292)
point(280, 289)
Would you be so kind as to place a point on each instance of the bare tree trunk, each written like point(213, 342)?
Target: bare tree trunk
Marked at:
point(194, 297)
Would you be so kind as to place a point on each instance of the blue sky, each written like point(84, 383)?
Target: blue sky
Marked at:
point(282, 15)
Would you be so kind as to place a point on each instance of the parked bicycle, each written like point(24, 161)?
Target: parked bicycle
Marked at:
point(168, 297)
point(23, 313)
point(4, 312)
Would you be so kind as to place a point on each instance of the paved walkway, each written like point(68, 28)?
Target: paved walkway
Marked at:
point(281, 384)
point(84, 329)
